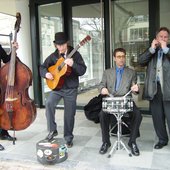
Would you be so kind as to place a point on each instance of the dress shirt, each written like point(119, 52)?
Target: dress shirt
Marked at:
point(119, 72)
point(159, 65)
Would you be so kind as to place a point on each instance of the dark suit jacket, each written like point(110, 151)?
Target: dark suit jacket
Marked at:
point(78, 68)
point(3, 56)
point(150, 60)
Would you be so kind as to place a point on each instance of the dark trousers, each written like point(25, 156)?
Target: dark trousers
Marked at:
point(135, 121)
point(69, 97)
point(160, 110)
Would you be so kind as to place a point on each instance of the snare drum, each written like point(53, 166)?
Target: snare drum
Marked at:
point(117, 104)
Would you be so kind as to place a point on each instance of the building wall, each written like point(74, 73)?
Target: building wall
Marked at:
point(5, 4)
point(23, 36)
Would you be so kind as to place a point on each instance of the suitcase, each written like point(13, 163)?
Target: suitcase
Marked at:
point(51, 152)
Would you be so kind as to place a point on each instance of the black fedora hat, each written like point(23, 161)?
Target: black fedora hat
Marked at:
point(60, 38)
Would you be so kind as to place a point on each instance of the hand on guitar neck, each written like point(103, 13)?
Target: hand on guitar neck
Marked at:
point(69, 61)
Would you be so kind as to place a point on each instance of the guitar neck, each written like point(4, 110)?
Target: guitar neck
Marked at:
point(73, 51)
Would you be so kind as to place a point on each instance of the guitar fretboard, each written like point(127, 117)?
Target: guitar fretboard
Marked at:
point(73, 51)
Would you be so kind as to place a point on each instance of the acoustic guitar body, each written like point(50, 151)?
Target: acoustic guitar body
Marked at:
point(59, 71)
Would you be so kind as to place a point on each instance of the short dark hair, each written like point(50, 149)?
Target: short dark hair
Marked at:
point(163, 29)
point(119, 50)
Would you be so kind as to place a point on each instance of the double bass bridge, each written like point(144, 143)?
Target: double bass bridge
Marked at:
point(11, 99)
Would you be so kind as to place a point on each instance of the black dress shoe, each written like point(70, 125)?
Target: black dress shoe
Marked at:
point(104, 148)
point(69, 144)
point(160, 145)
point(51, 135)
point(134, 149)
point(1, 148)
point(7, 137)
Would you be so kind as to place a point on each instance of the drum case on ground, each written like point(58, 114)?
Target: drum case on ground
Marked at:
point(51, 152)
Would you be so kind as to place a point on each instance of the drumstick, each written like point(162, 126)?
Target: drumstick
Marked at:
point(127, 93)
point(111, 95)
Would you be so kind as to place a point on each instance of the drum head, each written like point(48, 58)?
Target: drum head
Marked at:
point(117, 105)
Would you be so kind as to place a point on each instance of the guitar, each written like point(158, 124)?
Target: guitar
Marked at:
point(60, 70)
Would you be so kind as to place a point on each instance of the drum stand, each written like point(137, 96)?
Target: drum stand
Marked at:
point(118, 143)
point(115, 134)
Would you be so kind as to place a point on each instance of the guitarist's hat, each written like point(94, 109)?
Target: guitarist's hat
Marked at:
point(60, 38)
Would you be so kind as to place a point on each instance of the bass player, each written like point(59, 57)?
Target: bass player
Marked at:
point(4, 58)
point(69, 89)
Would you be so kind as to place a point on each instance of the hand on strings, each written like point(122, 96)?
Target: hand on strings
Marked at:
point(15, 44)
point(49, 76)
point(69, 61)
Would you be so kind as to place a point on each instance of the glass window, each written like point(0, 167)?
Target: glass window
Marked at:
point(164, 13)
point(130, 30)
point(49, 22)
point(7, 28)
point(89, 23)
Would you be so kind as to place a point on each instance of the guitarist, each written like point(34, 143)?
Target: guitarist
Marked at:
point(68, 91)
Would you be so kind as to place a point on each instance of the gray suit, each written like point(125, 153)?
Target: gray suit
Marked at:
point(150, 60)
point(159, 97)
point(108, 81)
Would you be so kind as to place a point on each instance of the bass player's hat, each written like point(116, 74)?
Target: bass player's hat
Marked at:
point(60, 38)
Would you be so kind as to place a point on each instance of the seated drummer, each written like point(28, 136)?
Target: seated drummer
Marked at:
point(118, 81)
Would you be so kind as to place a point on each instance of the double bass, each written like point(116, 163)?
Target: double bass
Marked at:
point(17, 110)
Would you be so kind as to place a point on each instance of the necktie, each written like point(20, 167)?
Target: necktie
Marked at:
point(160, 54)
point(159, 65)
point(118, 79)
point(62, 55)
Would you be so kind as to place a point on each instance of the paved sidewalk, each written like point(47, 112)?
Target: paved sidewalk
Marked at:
point(84, 155)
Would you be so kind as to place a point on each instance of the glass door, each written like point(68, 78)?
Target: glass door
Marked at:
point(50, 19)
point(130, 30)
point(164, 13)
point(88, 20)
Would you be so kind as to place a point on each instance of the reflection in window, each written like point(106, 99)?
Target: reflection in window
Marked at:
point(89, 24)
point(130, 29)
point(138, 34)
point(164, 13)
point(50, 23)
